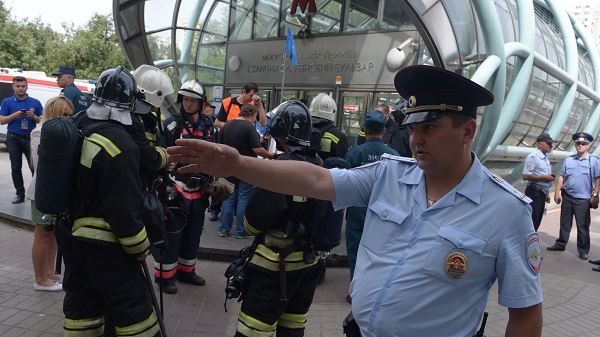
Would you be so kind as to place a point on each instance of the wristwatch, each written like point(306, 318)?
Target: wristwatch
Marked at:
point(594, 194)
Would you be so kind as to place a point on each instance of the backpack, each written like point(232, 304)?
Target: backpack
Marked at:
point(326, 228)
point(59, 153)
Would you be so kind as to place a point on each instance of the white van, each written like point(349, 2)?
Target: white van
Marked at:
point(40, 87)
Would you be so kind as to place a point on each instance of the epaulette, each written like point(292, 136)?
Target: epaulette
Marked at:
point(509, 187)
point(398, 158)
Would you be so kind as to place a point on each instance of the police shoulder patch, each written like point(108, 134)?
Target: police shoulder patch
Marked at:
point(533, 253)
point(505, 185)
point(398, 158)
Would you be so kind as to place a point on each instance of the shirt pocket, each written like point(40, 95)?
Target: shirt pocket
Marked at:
point(383, 231)
point(458, 256)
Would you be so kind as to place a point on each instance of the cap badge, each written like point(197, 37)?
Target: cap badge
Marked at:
point(456, 265)
point(412, 102)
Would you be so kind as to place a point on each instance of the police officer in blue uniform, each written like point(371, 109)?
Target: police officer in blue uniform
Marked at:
point(537, 172)
point(440, 229)
point(577, 189)
point(370, 151)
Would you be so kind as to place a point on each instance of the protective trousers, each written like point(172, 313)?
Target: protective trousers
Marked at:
point(355, 223)
point(263, 312)
point(103, 282)
point(183, 235)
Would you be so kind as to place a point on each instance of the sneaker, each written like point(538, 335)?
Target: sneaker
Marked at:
point(223, 235)
point(244, 236)
point(213, 217)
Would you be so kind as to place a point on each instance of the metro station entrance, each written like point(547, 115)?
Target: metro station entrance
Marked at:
point(352, 104)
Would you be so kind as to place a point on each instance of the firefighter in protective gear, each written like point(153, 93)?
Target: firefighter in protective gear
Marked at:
point(101, 237)
point(186, 200)
point(284, 266)
point(334, 142)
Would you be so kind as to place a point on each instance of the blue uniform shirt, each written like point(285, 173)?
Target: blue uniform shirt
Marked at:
point(538, 164)
point(428, 272)
point(578, 175)
point(23, 125)
point(368, 152)
point(79, 100)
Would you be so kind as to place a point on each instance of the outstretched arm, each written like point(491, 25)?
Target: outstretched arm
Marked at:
point(281, 176)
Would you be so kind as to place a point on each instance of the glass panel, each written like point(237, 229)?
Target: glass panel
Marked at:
point(211, 64)
point(362, 15)
point(218, 21)
point(240, 23)
point(265, 23)
point(460, 14)
point(191, 12)
point(327, 19)
point(128, 18)
point(187, 48)
point(506, 21)
point(438, 23)
point(393, 16)
point(353, 107)
point(158, 14)
point(160, 47)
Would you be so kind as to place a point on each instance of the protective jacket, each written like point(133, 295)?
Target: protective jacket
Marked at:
point(107, 203)
point(283, 262)
point(191, 199)
point(333, 141)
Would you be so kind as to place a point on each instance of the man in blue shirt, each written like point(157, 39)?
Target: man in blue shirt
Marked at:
point(537, 172)
point(577, 189)
point(368, 152)
point(440, 229)
point(65, 77)
point(21, 113)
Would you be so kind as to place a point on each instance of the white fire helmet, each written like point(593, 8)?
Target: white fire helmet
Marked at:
point(323, 106)
point(154, 83)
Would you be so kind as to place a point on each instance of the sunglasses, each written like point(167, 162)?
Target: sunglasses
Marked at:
point(581, 143)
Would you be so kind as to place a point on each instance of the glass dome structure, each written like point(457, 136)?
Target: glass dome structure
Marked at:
point(538, 62)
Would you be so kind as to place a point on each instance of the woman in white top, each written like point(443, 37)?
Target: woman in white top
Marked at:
point(43, 252)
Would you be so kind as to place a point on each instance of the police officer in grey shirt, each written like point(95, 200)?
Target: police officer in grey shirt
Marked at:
point(537, 172)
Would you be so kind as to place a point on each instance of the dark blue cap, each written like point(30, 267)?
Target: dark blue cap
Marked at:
point(375, 121)
point(434, 92)
point(545, 137)
point(64, 70)
point(583, 137)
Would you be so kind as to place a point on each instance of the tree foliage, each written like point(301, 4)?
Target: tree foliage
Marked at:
point(33, 45)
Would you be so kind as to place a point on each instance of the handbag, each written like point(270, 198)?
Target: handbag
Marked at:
point(219, 188)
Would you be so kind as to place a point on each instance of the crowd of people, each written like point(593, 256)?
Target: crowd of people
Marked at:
point(411, 191)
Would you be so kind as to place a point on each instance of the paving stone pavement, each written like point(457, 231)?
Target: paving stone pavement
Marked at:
point(571, 288)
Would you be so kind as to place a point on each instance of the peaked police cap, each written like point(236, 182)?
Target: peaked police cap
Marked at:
point(433, 92)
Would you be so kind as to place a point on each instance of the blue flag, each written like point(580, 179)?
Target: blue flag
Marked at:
point(290, 47)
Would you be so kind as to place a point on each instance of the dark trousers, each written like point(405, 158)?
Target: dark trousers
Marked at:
point(18, 145)
point(102, 282)
point(183, 235)
point(355, 223)
point(262, 303)
point(581, 209)
point(538, 204)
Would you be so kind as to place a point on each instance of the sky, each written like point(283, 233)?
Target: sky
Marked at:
point(54, 12)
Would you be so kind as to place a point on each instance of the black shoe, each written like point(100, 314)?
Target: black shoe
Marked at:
point(213, 217)
point(594, 262)
point(169, 289)
point(583, 256)
point(194, 279)
point(18, 200)
point(348, 299)
point(321, 277)
point(556, 248)
point(596, 269)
